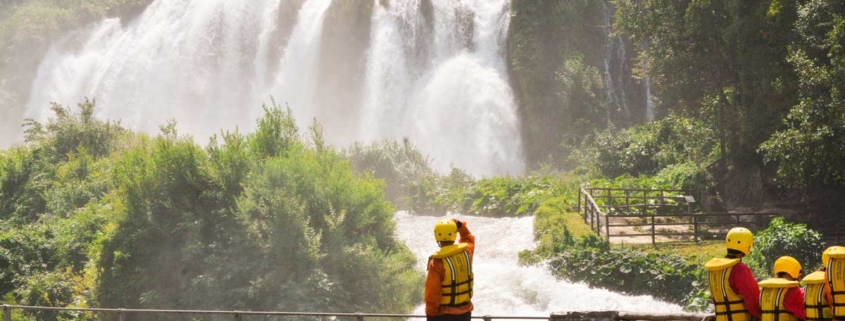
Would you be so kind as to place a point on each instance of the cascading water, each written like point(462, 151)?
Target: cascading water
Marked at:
point(442, 84)
point(614, 60)
point(434, 74)
point(502, 287)
point(188, 60)
point(649, 103)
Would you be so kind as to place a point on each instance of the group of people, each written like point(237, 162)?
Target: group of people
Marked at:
point(737, 296)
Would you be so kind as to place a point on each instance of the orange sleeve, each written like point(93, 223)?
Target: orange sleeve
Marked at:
point(467, 237)
point(432, 287)
point(827, 292)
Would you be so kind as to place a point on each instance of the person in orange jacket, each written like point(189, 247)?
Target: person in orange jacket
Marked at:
point(781, 297)
point(448, 286)
point(733, 287)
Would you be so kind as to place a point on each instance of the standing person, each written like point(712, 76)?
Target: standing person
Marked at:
point(816, 302)
point(732, 285)
point(834, 278)
point(448, 287)
point(781, 298)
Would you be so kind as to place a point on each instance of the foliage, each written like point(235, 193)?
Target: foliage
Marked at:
point(809, 151)
point(400, 165)
point(95, 216)
point(554, 55)
point(646, 149)
point(731, 51)
point(783, 238)
point(622, 269)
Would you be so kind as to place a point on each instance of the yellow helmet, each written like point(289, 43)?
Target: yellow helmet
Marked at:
point(826, 254)
point(740, 239)
point(789, 265)
point(445, 230)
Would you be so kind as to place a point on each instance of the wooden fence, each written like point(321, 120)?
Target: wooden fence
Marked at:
point(651, 219)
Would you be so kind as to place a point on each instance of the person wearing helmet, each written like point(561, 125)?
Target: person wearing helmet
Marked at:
point(833, 265)
point(733, 287)
point(817, 292)
point(781, 299)
point(448, 286)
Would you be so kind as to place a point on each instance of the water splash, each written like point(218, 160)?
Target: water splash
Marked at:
point(442, 84)
point(502, 287)
point(434, 75)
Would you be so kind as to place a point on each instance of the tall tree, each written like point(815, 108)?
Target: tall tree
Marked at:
point(810, 151)
point(723, 60)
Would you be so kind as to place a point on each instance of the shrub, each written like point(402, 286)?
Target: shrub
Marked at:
point(783, 238)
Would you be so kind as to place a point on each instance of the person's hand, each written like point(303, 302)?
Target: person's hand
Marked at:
point(458, 223)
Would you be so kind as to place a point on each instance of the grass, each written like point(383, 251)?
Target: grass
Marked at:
point(693, 253)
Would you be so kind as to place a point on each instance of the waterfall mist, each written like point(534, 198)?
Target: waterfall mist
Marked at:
point(432, 73)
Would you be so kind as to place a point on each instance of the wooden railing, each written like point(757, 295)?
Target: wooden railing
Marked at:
point(667, 214)
point(697, 226)
point(619, 201)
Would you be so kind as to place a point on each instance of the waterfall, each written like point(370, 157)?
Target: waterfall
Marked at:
point(434, 74)
point(618, 112)
point(649, 103)
point(442, 84)
point(189, 60)
point(502, 287)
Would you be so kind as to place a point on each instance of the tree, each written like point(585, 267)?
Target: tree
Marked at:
point(810, 151)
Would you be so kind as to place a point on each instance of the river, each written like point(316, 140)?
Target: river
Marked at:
point(502, 287)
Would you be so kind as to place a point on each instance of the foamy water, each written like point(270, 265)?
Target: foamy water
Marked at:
point(502, 287)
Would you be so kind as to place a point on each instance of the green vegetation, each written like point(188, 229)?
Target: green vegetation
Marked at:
point(97, 216)
point(783, 238)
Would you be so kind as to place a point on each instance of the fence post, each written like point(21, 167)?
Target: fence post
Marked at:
point(359, 316)
point(661, 199)
point(607, 226)
point(695, 227)
point(653, 230)
point(121, 315)
point(487, 318)
point(627, 202)
point(238, 316)
point(579, 201)
point(7, 313)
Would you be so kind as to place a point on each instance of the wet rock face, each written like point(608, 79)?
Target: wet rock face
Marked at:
point(543, 37)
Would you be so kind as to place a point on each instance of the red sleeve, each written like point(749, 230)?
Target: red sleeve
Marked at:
point(743, 283)
point(432, 287)
point(467, 237)
point(794, 302)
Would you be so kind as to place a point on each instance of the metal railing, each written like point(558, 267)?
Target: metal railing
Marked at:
point(238, 315)
point(699, 225)
point(611, 216)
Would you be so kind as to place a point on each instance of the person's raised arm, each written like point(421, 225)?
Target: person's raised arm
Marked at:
point(466, 236)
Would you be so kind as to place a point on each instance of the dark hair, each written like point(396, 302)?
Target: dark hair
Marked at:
point(735, 253)
point(783, 275)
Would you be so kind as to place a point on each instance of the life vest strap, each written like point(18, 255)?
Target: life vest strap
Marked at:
point(457, 294)
point(455, 305)
point(732, 312)
point(730, 302)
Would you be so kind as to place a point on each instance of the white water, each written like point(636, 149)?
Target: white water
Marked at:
point(181, 59)
point(209, 65)
point(425, 84)
point(504, 288)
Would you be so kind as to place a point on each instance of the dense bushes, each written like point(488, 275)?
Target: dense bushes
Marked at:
point(646, 149)
point(622, 269)
point(94, 215)
point(783, 238)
